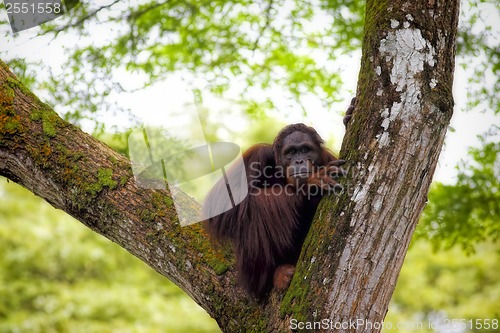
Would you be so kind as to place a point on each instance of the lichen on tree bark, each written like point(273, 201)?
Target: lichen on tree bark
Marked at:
point(354, 251)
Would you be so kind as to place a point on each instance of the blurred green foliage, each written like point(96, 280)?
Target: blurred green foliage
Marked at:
point(58, 276)
point(445, 285)
point(468, 212)
point(246, 51)
point(252, 48)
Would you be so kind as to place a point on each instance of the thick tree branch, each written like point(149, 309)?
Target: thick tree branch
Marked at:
point(356, 246)
point(355, 249)
point(83, 177)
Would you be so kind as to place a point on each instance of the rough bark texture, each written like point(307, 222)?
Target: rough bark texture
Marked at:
point(354, 252)
point(78, 174)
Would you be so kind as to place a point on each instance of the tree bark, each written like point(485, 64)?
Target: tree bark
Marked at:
point(354, 251)
point(80, 175)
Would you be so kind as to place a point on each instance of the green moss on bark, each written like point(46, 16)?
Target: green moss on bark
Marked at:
point(103, 180)
point(16, 84)
point(10, 123)
point(49, 121)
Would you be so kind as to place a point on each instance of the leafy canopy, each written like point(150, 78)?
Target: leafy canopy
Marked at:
point(252, 50)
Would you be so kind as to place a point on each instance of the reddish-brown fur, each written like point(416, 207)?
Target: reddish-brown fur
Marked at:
point(267, 229)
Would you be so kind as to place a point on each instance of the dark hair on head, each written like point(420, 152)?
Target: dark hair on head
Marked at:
point(286, 131)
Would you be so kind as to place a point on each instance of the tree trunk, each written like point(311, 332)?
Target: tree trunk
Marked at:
point(354, 252)
point(355, 249)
